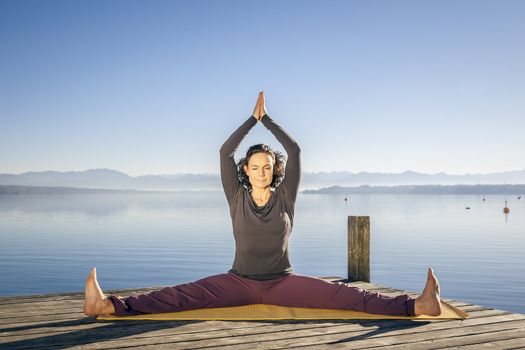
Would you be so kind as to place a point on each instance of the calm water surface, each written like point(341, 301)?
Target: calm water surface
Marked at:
point(49, 242)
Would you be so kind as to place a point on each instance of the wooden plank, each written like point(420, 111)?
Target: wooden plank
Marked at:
point(178, 337)
point(507, 339)
point(335, 336)
point(65, 296)
point(57, 321)
point(513, 343)
point(332, 336)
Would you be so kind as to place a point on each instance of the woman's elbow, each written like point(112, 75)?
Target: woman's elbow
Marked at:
point(224, 151)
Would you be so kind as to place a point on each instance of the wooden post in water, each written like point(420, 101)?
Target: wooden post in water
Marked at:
point(359, 248)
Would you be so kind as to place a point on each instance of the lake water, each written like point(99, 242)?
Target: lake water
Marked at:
point(50, 242)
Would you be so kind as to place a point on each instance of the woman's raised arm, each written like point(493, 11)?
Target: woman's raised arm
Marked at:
point(229, 177)
point(292, 173)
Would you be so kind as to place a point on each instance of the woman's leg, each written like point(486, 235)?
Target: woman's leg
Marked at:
point(214, 291)
point(312, 292)
point(306, 291)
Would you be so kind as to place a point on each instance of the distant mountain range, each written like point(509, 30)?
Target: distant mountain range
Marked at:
point(112, 179)
point(422, 189)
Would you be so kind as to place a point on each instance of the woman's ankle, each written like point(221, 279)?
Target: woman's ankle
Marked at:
point(108, 308)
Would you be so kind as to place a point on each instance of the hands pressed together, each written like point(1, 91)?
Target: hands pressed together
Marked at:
point(260, 110)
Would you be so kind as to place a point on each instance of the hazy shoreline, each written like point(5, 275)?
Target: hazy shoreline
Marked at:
point(36, 190)
point(338, 190)
point(423, 189)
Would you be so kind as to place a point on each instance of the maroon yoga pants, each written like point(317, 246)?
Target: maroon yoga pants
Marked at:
point(295, 290)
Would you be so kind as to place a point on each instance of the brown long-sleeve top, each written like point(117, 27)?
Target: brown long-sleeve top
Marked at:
point(261, 233)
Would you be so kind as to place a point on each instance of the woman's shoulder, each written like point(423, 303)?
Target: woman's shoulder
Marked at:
point(282, 193)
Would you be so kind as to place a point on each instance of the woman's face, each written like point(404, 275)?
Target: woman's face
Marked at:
point(260, 170)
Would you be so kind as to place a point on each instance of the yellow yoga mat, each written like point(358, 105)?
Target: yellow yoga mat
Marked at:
point(274, 312)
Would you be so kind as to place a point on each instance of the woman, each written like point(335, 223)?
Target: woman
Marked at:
point(261, 197)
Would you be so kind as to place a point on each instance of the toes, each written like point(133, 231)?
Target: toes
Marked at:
point(91, 276)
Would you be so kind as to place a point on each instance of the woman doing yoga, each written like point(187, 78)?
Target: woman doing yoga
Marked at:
point(261, 192)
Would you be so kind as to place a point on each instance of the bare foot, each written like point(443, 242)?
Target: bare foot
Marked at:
point(428, 303)
point(96, 302)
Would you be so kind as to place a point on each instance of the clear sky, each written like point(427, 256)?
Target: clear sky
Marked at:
point(156, 87)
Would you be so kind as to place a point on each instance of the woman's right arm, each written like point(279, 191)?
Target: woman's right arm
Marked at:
point(229, 177)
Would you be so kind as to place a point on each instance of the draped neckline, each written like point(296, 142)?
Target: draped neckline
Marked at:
point(264, 209)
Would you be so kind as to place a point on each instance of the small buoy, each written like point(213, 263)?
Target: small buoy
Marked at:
point(506, 210)
point(467, 207)
point(483, 198)
point(519, 197)
point(346, 198)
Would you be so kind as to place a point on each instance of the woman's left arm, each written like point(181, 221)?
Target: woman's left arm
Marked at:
point(292, 172)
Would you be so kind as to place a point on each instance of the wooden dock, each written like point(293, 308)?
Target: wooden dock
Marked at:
point(56, 321)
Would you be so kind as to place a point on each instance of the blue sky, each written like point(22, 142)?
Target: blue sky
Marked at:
point(156, 87)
